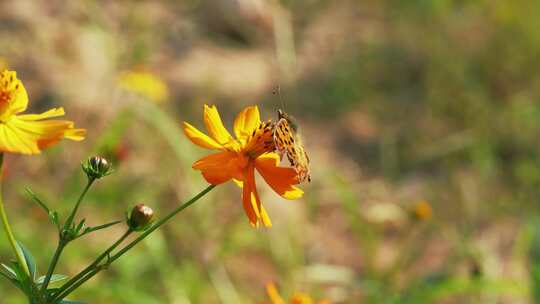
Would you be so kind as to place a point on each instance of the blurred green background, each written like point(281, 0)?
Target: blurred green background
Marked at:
point(421, 119)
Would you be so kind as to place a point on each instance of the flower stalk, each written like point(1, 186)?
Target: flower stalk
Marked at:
point(65, 236)
point(95, 267)
point(7, 228)
point(74, 282)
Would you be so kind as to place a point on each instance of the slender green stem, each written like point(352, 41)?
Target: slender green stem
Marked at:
point(65, 290)
point(73, 287)
point(63, 239)
point(59, 249)
point(69, 221)
point(7, 227)
point(95, 263)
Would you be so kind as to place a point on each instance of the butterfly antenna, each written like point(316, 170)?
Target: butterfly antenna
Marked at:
point(278, 92)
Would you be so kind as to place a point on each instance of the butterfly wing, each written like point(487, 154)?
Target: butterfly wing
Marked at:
point(288, 143)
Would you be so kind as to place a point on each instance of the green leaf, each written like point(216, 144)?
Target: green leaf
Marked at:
point(37, 200)
point(54, 218)
point(70, 302)
point(25, 285)
point(53, 215)
point(8, 271)
point(29, 259)
point(92, 229)
point(80, 226)
point(54, 278)
point(11, 278)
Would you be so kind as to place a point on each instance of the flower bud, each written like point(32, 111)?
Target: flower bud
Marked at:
point(96, 167)
point(140, 217)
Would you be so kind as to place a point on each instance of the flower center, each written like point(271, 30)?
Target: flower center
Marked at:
point(9, 86)
point(5, 96)
point(260, 141)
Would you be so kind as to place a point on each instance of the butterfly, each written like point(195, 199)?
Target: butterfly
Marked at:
point(288, 142)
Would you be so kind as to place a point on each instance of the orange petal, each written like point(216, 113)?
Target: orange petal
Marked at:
point(199, 138)
point(248, 206)
point(279, 178)
point(214, 125)
point(246, 121)
point(256, 200)
point(219, 167)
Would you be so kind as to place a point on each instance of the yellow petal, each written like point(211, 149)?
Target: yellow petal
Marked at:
point(15, 141)
point(246, 121)
point(274, 294)
point(265, 218)
point(214, 125)
point(55, 112)
point(199, 138)
point(29, 136)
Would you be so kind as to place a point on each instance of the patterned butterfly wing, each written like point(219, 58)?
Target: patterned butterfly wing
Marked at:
point(289, 143)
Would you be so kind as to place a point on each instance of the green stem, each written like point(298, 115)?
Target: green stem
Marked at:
point(94, 264)
point(59, 249)
point(69, 221)
point(66, 290)
point(7, 227)
point(64, 239)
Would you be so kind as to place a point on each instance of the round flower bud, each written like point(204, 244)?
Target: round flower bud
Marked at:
point(140, 217)
point(96, 167)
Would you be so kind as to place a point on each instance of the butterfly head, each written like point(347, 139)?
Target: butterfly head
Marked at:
point(291, 120)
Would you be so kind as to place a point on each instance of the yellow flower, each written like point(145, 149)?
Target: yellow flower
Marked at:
point(144, 84)
point(28, 133)
point(297, 298)
point(422, 211)
point(239, 157)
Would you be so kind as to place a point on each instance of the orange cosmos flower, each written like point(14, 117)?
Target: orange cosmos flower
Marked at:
point(239, 156)
point(28, 134)
point(297, 298)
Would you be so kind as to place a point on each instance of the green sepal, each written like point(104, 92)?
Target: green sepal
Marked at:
point(79, 227)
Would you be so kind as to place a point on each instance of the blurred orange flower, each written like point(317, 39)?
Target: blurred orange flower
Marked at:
point(297, 298)
point(28, 134)
point(422, 211)
point(239, 157)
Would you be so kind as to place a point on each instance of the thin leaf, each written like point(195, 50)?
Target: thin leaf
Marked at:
point(80, 226)
point(96, 228)
point(29, 259)
point(12, 280)
point(54, 218)
point(36, 199)
point(53, 215)
point(54, 278)
point(8, 271)
point(22, 278)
